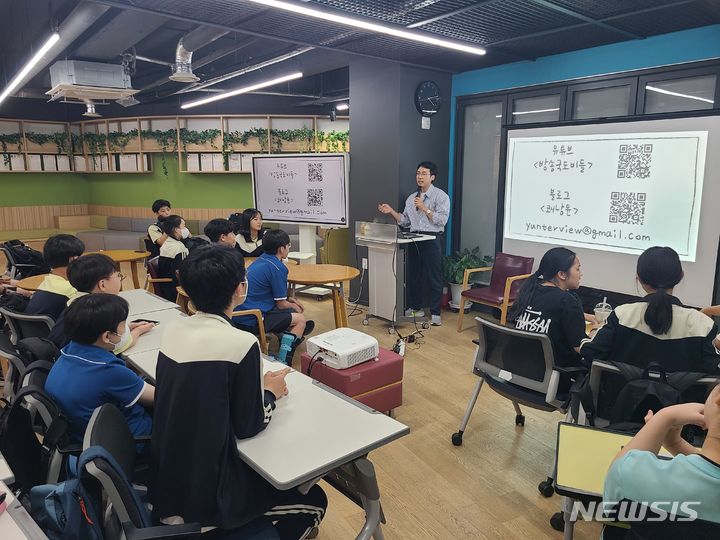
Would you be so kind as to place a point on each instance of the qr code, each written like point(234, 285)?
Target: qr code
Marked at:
point(315, 172)
point(314, 197)
point(627, 208)
point(634, 160)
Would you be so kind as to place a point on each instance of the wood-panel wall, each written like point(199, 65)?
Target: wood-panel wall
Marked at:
point(145, 212)
point(21, 218)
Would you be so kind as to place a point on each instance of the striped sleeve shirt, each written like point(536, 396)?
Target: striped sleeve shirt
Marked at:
point(437, 201)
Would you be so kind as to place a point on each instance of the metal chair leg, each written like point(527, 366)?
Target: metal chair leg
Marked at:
point(457, 437)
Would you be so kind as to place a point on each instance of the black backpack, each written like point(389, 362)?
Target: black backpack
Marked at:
point(19, 445)
point(25, 255)
point(641, 393)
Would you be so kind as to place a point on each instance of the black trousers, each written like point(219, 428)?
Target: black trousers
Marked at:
point(424, 275)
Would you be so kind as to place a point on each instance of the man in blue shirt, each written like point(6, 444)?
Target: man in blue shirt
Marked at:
point(87, 374)
point(426, 212)
point(267, 291)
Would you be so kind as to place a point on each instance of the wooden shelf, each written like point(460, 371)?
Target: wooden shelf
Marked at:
point(141, 146)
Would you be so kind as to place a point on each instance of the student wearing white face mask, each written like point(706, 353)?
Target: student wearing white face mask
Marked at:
point(87, 374)
point(172, 253)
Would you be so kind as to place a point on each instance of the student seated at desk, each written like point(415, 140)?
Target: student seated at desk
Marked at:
point(267, 291)
point(55, 290)
point(87, 374)
point(156, 236)
point(547, 305)
point(97, 273)
point(211, 390)
point(250, 234)
point(172, 253)
point(659, 328)
point(693, 474)
point(221, 231)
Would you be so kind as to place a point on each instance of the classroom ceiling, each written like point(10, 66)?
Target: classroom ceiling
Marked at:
point(238, 34)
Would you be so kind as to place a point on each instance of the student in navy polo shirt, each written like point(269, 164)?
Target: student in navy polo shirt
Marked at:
point(267, 291)
point(87, 374)
point(54, 291)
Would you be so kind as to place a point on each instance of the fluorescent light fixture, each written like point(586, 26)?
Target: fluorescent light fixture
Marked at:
point(498, 116)
point(678, 94)
point(537, 111)
point(243, 90)
point(342, 107)
point(365, 25)
point(19, 78)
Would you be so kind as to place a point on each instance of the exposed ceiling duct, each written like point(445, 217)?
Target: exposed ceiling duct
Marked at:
point(90, 111)
point(184, 51)
point(247, 69)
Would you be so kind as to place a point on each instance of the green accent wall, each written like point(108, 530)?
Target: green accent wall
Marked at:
point(37, 189)
point(183, 190)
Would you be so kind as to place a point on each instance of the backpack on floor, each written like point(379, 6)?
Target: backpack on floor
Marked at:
point(70, 510)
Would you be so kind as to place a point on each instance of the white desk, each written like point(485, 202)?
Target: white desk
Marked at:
point(330, 434)
point(142, 302)
point(15, 522)
point(151, 340)
point(6, 474)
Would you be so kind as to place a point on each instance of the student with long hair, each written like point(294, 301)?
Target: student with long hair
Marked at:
point(658, 328)
point(249, 236)
point(546, 305)
point(172, 253)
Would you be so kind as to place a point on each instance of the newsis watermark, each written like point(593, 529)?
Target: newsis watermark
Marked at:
point(634, 511)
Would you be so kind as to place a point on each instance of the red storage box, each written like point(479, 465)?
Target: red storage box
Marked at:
point(376, 383)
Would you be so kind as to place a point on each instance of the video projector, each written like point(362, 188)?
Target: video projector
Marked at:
point(343, 348)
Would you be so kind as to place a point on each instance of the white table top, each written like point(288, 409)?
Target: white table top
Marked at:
point(151, 340)
point(15, 522)
point(142, 302)
point(6, 474)
point(324, 429)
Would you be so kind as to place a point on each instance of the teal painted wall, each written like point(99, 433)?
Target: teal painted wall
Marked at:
point(666, 49)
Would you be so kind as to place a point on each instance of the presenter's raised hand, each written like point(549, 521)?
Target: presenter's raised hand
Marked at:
point(385, 208)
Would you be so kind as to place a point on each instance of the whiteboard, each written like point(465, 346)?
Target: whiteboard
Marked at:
point(301, 188)
point(680, 180)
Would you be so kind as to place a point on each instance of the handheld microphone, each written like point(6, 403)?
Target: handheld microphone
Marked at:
point(419, 191)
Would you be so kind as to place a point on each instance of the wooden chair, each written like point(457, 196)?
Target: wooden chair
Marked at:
point(187, 306)
point(508, 272)
point(261, 325)
point(152, 279)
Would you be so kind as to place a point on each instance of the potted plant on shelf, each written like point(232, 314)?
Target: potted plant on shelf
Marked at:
point(454, 267)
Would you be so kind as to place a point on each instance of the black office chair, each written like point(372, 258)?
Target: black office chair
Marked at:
point(24, 326)
point(520, 366)
point(109, 430)
point(18, 270)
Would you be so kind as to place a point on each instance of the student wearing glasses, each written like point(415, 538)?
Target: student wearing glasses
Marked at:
point(91, 274)
point(426, 212)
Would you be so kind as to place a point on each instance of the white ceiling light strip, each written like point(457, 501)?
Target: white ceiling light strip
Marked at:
point(372, 27)
point(19, 78)
point(243, 90)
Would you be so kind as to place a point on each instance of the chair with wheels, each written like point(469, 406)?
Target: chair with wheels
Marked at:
point(519, 366)
point(508, 273)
